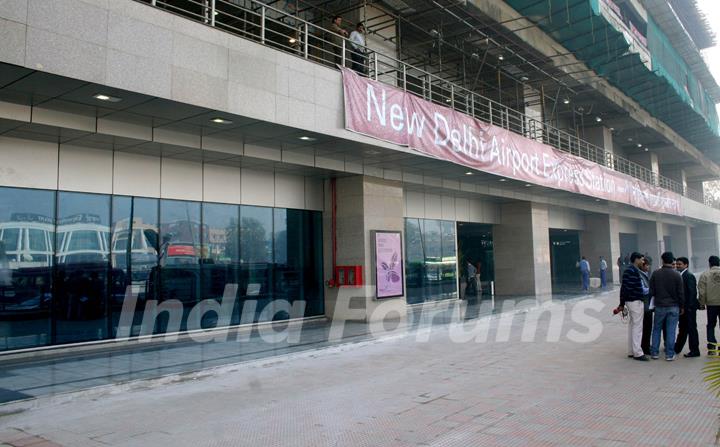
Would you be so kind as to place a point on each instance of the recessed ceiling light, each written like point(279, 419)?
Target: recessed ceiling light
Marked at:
point(566, 101)
point(306, 138)
point(646, 149)
point(108, 98)
point(612, 129)
point(293, 40)
point(219, 120)
point(448, 100)
point(639, 145)
point(630, 139)
point(503, 180)
point(524, 78)
point(501, 58)
point(597, 200)
point(598, 119)
point(527, 185)
point(372, 152)
point(469, 173)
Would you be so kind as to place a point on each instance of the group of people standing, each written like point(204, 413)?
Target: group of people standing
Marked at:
point(584, 266)
point(358, 50)
point(664, 304)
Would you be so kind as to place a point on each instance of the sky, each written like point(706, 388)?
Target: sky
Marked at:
point(712, 55)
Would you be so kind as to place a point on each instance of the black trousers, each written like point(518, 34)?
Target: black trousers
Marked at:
point(688, 330)
point(358, 62)
point(713, 312)
point(647, 331)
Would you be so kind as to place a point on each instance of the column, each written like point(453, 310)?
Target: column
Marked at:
point(650, 240)
point(705, 242)
point(521, 245)
point(601, 237)
point(363, 204)
point(681, 241)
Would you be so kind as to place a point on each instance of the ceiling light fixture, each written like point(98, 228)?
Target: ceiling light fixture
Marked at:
point(598, 119)
point(306, 138)
point(469, 173)
point(639, 145)
point(501, 58)
point(524, 78)
point(108, 98)
point(292, 40)
point(566, 101)
point(646, 149)
point(219, 120)
point(527, 185)
point(503, 180)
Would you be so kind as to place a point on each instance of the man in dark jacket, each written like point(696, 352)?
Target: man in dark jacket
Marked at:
point(631, 296)
point(688, 322)
point(666, 288)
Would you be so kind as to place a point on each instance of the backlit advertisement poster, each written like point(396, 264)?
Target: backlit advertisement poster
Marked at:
point(388, 264)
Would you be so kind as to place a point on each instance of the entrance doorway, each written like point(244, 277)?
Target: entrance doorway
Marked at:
point(475, 243)
point(564, 258)
point(628, 245)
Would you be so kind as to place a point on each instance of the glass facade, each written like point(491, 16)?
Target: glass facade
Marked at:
point(430, 260)
point(68, 259)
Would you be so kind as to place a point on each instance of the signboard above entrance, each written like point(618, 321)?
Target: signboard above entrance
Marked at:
point(379, 111)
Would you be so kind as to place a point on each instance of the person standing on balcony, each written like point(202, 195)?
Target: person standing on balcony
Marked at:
point(358, 53)
point(603, 272)
point(709, 291)
point(585, 273)
point(337, 34)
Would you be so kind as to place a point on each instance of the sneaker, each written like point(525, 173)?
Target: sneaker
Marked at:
point(630, 356)
point(642, 358)
point(691, 354)
point(670, 359)
point(655, 357)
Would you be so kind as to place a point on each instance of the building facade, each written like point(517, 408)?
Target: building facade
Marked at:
point(175, 152)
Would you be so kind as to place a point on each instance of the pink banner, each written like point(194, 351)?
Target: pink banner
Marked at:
point(379, 111)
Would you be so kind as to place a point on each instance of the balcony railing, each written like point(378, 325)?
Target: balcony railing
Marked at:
point(284, 31)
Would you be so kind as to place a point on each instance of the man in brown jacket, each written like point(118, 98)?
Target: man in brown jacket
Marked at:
point(709, 297)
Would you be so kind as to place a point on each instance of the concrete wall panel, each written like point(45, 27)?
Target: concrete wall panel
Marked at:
point(221, 183)
point(181, 179)
point(28, 164)
point(136, 175)
point(86, 170)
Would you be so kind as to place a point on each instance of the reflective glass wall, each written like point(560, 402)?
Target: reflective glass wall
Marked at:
point(69, 261)
point(430, 260)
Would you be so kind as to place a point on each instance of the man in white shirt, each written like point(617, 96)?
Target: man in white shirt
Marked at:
point(358, 50)
point(603, 272)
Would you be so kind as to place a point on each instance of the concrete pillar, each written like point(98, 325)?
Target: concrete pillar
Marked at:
point(705, 242)
point(677, 175)
point(681, 241)
point(647, 159)
point(601, 237)
point(522, 250)
point(363, 204)
point(650, 240)
point(600, 136)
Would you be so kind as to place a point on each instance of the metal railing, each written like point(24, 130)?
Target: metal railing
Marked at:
point(254, 20)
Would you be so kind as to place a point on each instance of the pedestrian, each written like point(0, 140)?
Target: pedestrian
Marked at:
point(478, 281)
point(471, 289)
point(337, 33)
point(585, 273)
point(688, 322)
point(631, 296)
point(647, 309)
point(603, 272)
point(709, 291)
point(666, 289)
point(358, 53)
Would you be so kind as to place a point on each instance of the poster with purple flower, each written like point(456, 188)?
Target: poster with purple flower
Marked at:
point(389, 281)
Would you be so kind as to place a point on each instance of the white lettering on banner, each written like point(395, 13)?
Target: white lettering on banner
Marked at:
point(463, 140)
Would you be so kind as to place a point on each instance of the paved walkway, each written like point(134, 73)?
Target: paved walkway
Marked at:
point(405, 391)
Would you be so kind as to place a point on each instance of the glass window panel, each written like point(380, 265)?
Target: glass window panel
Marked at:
point(256, 253)
point(25, 270)
point(221, 255)
point(180, 252)
point(432, 236)
point(431, 260)
point(135, 264)
point(82, 257)
point(449, 260)
point(414, 261)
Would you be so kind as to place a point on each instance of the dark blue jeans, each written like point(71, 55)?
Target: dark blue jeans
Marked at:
point(667, 318)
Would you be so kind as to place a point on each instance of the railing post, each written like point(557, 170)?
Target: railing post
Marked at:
point(491, 111)
point(452, 96)
point(262, 24)
point(429, 88)
point(212, 12)
point(342, 56)
point(404, 77)
point(153, 2)
point(375, 62)
point(305, 43)
point(471, 100)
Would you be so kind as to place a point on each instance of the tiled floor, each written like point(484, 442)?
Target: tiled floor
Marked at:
point(482, 382)
point(27, 379)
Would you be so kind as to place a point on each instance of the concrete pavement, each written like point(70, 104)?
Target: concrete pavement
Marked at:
point(405, 391)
